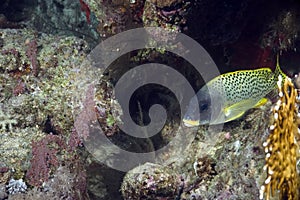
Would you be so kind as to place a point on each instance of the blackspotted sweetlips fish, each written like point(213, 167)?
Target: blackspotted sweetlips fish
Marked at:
point(228, 96)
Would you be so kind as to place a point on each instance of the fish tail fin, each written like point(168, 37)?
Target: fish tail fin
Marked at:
point(278, 70)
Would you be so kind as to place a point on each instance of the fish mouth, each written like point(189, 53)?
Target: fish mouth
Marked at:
point(190, 123)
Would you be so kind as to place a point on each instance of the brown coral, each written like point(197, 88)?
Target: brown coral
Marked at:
point(44, 159)
point(281, 147)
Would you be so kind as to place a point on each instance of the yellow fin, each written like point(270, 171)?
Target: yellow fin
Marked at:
point(261, 102)
point(237, 110)
point(190, 123)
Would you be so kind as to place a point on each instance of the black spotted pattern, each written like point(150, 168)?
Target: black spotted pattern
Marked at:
point(245, 84)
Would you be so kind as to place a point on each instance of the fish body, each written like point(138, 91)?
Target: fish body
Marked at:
point(228, 96)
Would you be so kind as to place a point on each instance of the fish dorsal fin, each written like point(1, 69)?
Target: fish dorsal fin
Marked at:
point(278, 70)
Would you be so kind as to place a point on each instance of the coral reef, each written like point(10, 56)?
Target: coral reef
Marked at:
point(281, 147)
point(37, 112)
point(46, 112)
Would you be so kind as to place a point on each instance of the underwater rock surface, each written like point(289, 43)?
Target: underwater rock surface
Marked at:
point(151, 181)
point(225, 164)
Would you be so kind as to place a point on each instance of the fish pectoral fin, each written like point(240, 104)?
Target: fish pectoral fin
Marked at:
point(236, 116)
point(232, 114)
point(238, 109)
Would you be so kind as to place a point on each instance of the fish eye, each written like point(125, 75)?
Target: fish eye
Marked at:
point(204, 107)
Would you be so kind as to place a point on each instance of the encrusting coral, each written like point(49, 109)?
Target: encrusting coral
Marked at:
point(281, 147)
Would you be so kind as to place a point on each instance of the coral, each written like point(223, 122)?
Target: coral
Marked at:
point(64, 184)
point(31, 52)
point(87, 116)
point(151, 181)
point(281, 147)
point(15, 147)
point(16, 186)
point(75, 140)
point(13, 57)
point(19, 88)
point(6, 121)
point(57, 168)
point(44, 159)
point(33, 106)
point(107, 109)
point(35, 101)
